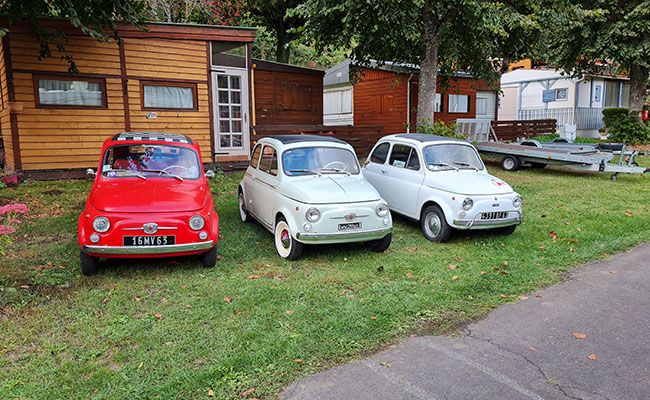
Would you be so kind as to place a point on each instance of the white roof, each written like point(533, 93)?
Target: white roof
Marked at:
point(525, 75)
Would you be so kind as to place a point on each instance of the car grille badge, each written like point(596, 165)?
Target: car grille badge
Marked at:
point(150, 228)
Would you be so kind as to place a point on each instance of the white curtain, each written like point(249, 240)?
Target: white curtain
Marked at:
point(71, 93)
point(168, 97)
point(458, 103)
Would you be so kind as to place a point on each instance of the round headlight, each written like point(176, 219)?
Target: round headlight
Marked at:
point(101, 224)
point(312, 215)
point(382, 209)
point(516, 201)
point(197, 222)
point(468, 204)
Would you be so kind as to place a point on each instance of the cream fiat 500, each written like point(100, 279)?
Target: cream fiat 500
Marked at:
point(442, 183)
point(308, 189)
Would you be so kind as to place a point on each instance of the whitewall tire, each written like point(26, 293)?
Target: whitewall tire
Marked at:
point(286, 246)
point(243, 214)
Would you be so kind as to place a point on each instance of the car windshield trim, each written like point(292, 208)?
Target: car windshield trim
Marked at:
point(321, 170)
point(449, 164)
point(162, 173)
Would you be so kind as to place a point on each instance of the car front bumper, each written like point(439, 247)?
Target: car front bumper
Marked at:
point(148, 250)
point(514, 218)
point(343, 237)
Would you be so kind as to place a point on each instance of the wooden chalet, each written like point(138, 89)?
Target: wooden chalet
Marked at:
point(197, 80)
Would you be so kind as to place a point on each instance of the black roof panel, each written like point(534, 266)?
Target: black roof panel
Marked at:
point(424, 137)
point(287, 139)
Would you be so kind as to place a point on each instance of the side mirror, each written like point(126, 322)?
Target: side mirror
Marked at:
point(90, 171)
point(209, 174)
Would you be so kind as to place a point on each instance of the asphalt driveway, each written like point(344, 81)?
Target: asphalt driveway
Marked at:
point(587, 338)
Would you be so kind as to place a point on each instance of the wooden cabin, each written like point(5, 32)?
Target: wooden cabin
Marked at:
point(387, 95)
point(192, 79)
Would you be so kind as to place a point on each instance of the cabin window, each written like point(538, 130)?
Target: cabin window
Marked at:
point(438, 103)
point(229, 54)
point(70, 92)
point(168, 96)
point(380, 154)
point(269, 161)
point(255, 159)
point(561, 94)
point(404, 156)
point(458, 103)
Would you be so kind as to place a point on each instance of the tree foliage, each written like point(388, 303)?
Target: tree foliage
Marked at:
point(96, 19)
point(439, 36)
point(591, 36)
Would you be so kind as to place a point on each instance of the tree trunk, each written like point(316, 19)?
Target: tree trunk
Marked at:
point(638, 82)
point(428, 73)
point(281, 47)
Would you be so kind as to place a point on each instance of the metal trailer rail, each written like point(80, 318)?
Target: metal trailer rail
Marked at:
point(583, 158)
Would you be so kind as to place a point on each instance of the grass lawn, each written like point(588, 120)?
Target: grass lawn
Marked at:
point(172, 329)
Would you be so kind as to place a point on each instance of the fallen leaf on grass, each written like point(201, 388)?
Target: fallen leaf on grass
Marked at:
point(247, 392)
point(505, 264)
point(592, 357)
point(218, 258)
point(452, 266)
point(483, 273)
point(210, 393)
point(458, 258)
point(553, 236)
point(454, 278)
point(158, 316)
point(409, 274)
point(24, 286)
point(289, 312)
point(345, 259)
point(504, 296)
point(343, 292)
point(298, 361)
point(253, 277)
point(373, 317)
point(137, 298)
point(522, 297)
point(628, 213)
point(579, 335)
point(542, 247)
point(227, 299)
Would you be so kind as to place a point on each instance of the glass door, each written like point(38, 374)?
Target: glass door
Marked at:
point(230, 100)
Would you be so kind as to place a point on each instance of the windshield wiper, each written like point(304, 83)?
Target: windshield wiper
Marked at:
point(334, 170)
point(180, 178)
point(445, 165)
point(131, 172)
point(464, 164)
point(306, 171)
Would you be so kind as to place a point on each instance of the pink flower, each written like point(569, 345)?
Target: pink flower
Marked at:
point(18, 208)
point(14, 221)
point(5, 230)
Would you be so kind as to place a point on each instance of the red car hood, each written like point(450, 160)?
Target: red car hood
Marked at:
point(161, 195)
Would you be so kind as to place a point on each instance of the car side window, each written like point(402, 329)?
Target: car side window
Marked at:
point(380, 154)
point(255, 159)
point(403, 156)
point(269, 161)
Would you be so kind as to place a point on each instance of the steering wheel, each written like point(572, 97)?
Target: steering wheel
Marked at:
point(164, 170)
point(345, 166)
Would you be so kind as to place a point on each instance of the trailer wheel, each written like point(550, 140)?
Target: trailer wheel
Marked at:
point(510, 163)
point(614, 176)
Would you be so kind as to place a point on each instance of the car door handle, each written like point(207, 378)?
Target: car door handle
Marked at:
point(383, 171)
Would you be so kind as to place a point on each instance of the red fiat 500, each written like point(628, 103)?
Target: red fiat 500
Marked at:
point(150, 199)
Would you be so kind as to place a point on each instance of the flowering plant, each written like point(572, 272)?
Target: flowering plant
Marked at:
point(8, 219)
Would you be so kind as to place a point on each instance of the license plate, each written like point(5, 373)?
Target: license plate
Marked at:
point(149, 240)
point(350, 226)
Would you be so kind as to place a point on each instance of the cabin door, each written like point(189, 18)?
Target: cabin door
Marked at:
point(231, 115)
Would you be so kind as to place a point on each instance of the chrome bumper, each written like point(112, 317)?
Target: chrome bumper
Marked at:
point(342, 237)
point(478, 223)
point(138, 250)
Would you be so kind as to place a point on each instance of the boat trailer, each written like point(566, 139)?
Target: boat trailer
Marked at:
point(579, 157)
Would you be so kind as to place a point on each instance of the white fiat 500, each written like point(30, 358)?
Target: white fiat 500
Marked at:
point(308, 189)
point(442, 183)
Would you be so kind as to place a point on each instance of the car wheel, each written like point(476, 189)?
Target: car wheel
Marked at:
point(243, 214)
point(510, 163)
point(88, 264)
point(209, 258)
point(506, 230)
point(381, 245)
point(434, 225)
point(286, 246)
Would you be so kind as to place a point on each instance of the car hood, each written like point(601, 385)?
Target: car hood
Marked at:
point(467, 182)
point(161, 195)
point(329, 188)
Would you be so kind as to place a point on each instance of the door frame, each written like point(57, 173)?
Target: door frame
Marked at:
point(245, 108)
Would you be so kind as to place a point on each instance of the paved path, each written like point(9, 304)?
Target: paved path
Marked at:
point(521, 351)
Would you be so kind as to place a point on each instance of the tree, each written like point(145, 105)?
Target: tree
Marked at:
point(440, 36)
point(589, 36)
point(277, 16)
point(97, 19)
point(180, 11)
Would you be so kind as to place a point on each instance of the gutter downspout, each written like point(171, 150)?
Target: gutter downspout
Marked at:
point(408, 103)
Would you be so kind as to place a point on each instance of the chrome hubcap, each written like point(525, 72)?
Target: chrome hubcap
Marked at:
point(509, 163)
point(432, 224)
point(285, 238)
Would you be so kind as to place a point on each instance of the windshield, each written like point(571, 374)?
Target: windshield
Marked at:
point(319, 160)
point(451, 156)
point(145, 160)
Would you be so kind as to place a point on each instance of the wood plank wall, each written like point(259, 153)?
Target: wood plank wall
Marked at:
point(5, 123)
point(61, 138)
point(275, 103)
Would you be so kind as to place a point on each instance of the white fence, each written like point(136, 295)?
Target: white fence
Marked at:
point(474, 130)
point(581, 117)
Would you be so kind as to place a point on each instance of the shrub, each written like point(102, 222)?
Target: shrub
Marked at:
point(612, 116)
point(630, 131)
point(438, 128)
